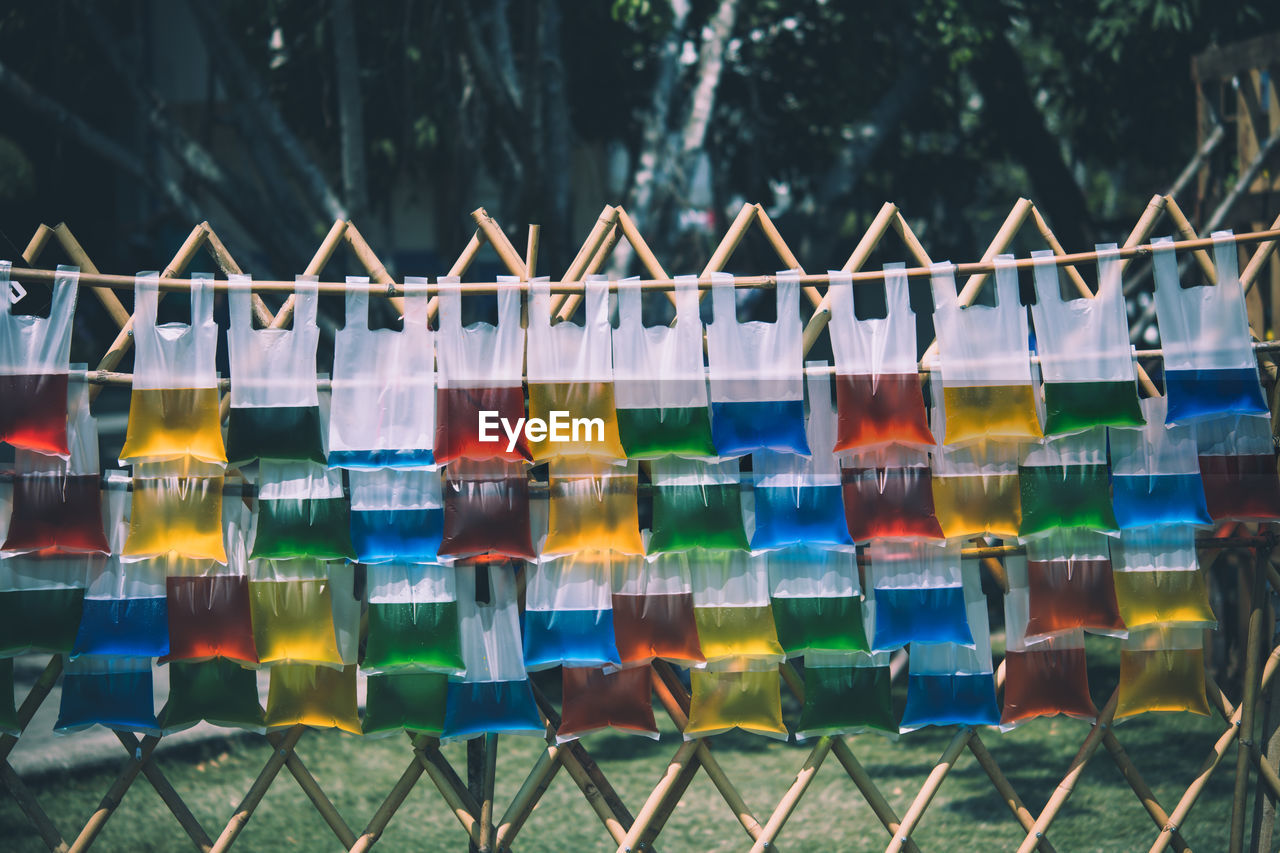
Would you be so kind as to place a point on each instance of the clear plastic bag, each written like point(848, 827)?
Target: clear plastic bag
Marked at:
point(1083, 344)
point(1238, 468)
point(383, 413)
point(816, 600)
point(984, 363)
point(493, 695)
point(397, 515)
point(1155, 473)
point(1064, 483)
point(173, 408)
point(1158, 579)
point(481, 370)
point(592, 507)
point(918, 594)
point(1046, 675)
point(696, 505)
point(878, 390)
point(888, 494)
point(412, 701)
point(304, 612)
point(571, 372)
point(1070, 584)
point(275, 404)
point(1209, 365)
point(41, 600)
point(653, 611)
point(949, 684)
point(113, 692)
point(598, 698)
point(172, 514)
point(736, 693)
point(413, 620)
point(756, 373)
point(486, 511)
point(218, 691)
point(57, 502)
point(318, 696)
point(302, 513)
point(568, 615)
point(798, 499)
point(34, 356)
point(660, 384)
point(1162, 669)
point(731, 606)
point(848, 692)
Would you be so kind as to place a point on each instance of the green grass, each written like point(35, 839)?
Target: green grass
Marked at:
point(1102, 815)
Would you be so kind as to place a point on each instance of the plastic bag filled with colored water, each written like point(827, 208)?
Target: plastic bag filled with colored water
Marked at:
point(917, 591)
point(568, 617)
point(174, 514)
point(1238, 468)
point(756, 372)
point(125, 611)
point(1065, 483)
point(878, 390)
point(486, 511)
point(735, 694)
point(412, 619)
point(414, 701)
point(660, 384)
point(594, 699)
point(653, 611)
point(304, 612)
point(1046, 675)
point(888, 494)
point(57, 503)
point(383, 411)
point(571, 372)
point(1083, 344)
point(976, 491)
point(816, 600)
point(846, 693)
point(1156, 472)
point(217, 691)
point(275, 404)
point(173, 407)
point(34, 356)
point(1162, 669)
point(114, 692)
point(481, 370)
point(696, 505)
point(493, 694)
point(1069, 579)
point(984, 362)
point(798, 499)
point(41, 600)
point(592, 507)
point(1158, 579)
point(302, 512)
point(731, 606)
point(1209, 365)
point(318, 696)
point(397, 515)
point(949, 684)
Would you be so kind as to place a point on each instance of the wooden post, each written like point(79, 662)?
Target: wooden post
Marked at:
point(1249, 701)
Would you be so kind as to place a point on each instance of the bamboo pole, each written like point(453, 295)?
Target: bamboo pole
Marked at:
point(675, 767)
point(35, 698)
point(115, 794)
point(1186, 232)
point(382, 817)
point(118, 313)
point(218, 251)
point(535, 785)
point(668, 806)
point(455, 794)
point(314, 792)
point(638, 244)
point(1139, 785)
point(31, 807)
point(498, 239)
point(1249, 701)
point(531, 250)
point(931, 785)
point(729, 242)
point(373, 265)
point(562, 309)
point(1003, 787)
point(791, 798)
point(788, 257)
point(1260, 257)
point(487, 785)
point(35, 246)
point(258, 790)
point(176, 805)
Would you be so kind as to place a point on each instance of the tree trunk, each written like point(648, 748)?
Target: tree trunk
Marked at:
point(350, 108)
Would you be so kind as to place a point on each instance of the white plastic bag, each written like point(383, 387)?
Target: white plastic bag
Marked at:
point(1155, 472)
point(816, 600)
point(1158, 578)
point(731, 606)
point(413, 619)
point(756, 372)
point(397, 515)
point(568, 617)
point(919, 596)
point(383, 413)
point(34, 355)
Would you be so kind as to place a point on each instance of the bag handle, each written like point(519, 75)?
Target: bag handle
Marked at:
point(630, 314)
point(597, 299)
point(1046, 277)
point(787, 295)
point(724, 298)
point(415, 303)
point(942, 281)
point(357, 299)
point(1109, 270)
point(306, 300)
point(65, 288)
point(1006, 283)
point(539, 300)
point(201, 298)
point(840, 294)
point(146, 298)
point(897, 292)
point(1164, 265)
point(1227, 261)
point(450, 296)
point(239, 302)
point(509, 303)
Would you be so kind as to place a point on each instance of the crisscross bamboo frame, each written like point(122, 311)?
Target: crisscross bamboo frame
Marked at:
point(474, 809)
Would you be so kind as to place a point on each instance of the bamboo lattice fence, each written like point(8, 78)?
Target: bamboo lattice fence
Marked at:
point(638, 825)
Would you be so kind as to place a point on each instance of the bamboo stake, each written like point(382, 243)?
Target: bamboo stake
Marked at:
point(1063, 792)
point(115, 794)
point(35, 698)
point(687, 774)
point(176, 805)
point(729, 242)
point(870, 240)
point(531, 250)
point(1186, 232)
point(319, 260)
point(455, 794)
point(382, 817)
point(590, 258)
point(314, 792)
point(373, 265)
point(80, 258)
point(218, 251)
point(487, 785)
point(258, 790)
point(1003, 787)
point(31, 808)
point(498, 239)
point(791, 798)
point(1260, 257)
point(535, 785)
point(780, 246)
point(602, 253)
point(638, 244)
point(459, 268)
point(908, 237)
point(675, 767)
point(1139, 785)
point(930, 788)
point(35, 246)
point(1249, 700)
